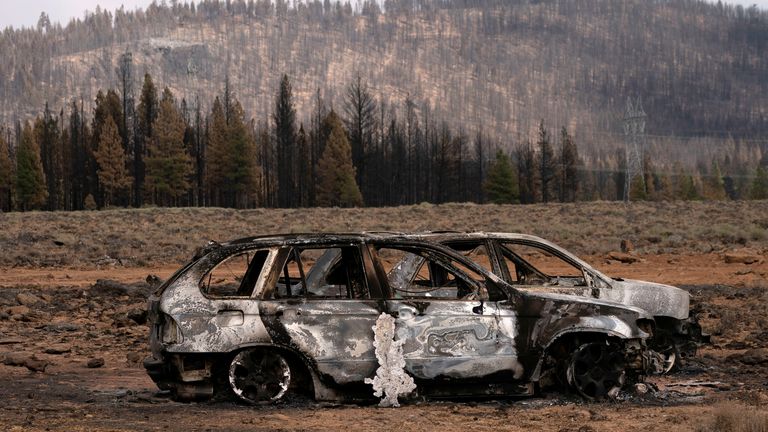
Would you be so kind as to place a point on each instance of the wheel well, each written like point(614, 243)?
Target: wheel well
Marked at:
point(563, 346)
point(551, 370)
point(301, 377)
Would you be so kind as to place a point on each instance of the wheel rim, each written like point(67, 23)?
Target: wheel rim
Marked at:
point(259, 376)
point(596, 370)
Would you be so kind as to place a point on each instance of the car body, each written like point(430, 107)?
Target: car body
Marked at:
point(264, 316)
point(531, 263)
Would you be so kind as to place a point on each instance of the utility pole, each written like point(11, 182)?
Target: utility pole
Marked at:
point(634, 132)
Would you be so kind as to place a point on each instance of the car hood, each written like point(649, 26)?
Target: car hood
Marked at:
point(604, 305)
point(657, 299)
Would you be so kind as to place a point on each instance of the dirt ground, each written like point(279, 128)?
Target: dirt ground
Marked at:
point(60, 320)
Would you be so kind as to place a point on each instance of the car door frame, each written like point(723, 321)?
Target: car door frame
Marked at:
point(590, 290)
point(440, 339)
point(335, 335)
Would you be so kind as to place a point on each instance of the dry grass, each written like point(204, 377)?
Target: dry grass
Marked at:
point(734, 417)
point(138, 237)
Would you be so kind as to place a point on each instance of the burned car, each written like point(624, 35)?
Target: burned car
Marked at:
point(532, 264)
point(262, 317)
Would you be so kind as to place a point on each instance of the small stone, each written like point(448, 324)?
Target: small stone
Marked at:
point(95, 363)
point(624, 257)
point(641, 388)
point(62, 327)
point(58, 349)
point(27, 299)
point(742, 257)
point(30, 361)
point(18, 311)
point(133, 357)
point(752, 357)
point(138, 315)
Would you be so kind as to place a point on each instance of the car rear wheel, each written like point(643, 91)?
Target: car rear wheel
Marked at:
point(259, 376)
point(596, 370)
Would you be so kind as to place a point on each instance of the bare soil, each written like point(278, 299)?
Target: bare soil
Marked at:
point(71, 320)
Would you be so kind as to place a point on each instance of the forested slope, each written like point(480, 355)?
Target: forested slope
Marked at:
point(497, 64)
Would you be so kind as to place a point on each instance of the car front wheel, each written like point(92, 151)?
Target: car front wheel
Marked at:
point(597, 370)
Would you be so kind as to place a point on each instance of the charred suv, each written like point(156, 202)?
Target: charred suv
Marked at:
point(263, 317)
point(532, 264)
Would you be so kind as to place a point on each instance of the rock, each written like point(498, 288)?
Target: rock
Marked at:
point(137, 315)
point(106, 287)
point(742, 257)
point(62, 327)
point(30, 361)
point(110, 287)
point(596, 416)
point(154, 281)
point(641, 388)
point(752, 357)
point(27, 299)
point(134, 357)
point(58, 349)
point(18, 311)
point(737, 345)
point(95, 363)
point(624, 257)
point(627, 246)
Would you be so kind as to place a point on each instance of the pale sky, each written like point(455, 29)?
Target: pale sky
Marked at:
point(25, 13)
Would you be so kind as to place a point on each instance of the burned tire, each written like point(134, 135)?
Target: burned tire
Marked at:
point(258, 376)
point(596, 370)
point(671, 358)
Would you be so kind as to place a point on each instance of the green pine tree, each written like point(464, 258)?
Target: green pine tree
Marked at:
point(336, 175)
point(242, 174)
point(501, 184)
point(6, 175)
point(714, 186)
point(759, 189)
point(217, 153)
point(168, 166)
point(688, 191)
point(30, 178)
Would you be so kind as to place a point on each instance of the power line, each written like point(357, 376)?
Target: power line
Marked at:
point(634, 131)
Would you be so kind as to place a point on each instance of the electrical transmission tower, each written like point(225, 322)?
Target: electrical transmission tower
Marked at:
point(634, 133)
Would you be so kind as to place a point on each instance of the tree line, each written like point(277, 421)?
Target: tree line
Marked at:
point(164, 151)
point(499, 64)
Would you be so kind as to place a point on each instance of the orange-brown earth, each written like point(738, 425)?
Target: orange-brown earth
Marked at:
point(71, 320)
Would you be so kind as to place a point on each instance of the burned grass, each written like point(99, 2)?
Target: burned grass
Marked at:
point(143, 237)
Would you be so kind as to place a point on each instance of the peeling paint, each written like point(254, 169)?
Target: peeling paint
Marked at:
point(391, 380)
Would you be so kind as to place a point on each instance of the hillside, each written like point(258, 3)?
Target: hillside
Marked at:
point(497, 64)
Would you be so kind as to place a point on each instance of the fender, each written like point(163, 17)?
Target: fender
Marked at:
point(610, 326)
point(320, 390)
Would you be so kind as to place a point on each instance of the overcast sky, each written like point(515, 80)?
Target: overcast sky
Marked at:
point(25, 13)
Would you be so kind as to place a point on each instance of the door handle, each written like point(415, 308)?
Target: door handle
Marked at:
point(406, 312)
point(479, 309)
point(287, 311)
